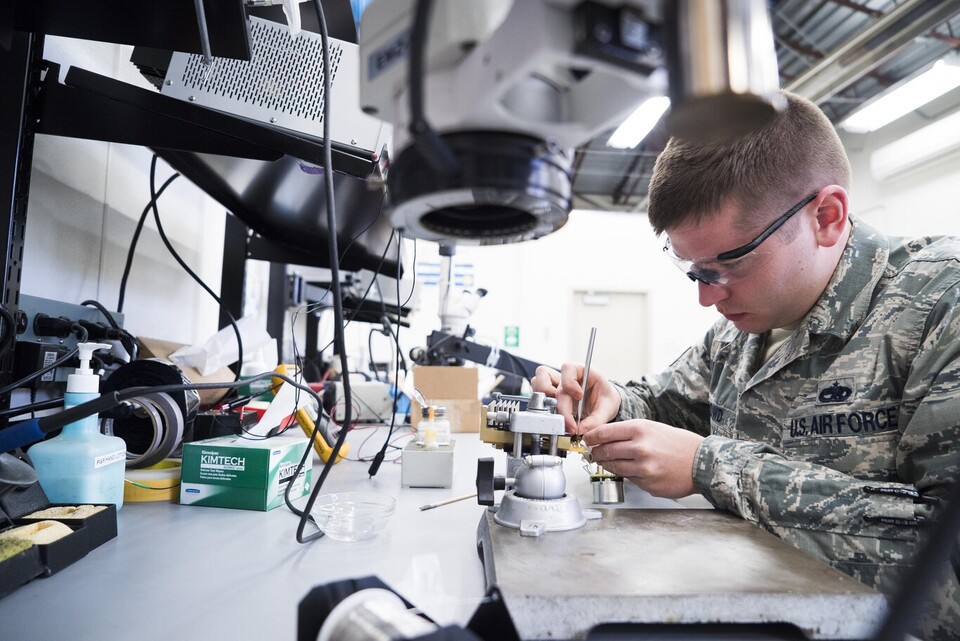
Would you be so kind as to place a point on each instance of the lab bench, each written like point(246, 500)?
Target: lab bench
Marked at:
point(196, 572)
point(188, 572)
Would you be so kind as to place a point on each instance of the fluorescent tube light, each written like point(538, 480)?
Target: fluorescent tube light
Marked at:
point(905, 97)
point(636, 127)
point(935, 141)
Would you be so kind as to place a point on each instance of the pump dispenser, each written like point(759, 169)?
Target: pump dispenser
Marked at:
point(81, 465)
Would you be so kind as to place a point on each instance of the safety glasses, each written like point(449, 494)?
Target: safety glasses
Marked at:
point(736, 264)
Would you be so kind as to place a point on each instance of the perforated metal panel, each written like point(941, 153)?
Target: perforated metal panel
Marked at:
point(282, 84)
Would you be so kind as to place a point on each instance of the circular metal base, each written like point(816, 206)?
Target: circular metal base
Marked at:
point(533, 517)
point(508, 188)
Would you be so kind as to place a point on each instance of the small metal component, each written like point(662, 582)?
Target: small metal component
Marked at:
point(607, 489)
point(204, 32)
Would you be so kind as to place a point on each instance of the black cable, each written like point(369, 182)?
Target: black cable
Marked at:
point(337, 293)
point(310, 308)
point(366, 292)
point(127, 339)
point(413, 288)
point(32, 407)
point(102, 310)
point(373, 364)
point(378, 459)
point(136, 233)
point(81, 338)
point(432, 147)
point(357, 236)
point(186, 268)
point(9, 329)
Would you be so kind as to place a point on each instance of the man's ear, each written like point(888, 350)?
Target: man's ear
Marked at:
point(831, 215)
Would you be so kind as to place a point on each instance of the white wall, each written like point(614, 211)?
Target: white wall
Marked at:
point(85, 199)
point(925, 201)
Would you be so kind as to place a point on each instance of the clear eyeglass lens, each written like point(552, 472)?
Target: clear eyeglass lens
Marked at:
point(718, 272)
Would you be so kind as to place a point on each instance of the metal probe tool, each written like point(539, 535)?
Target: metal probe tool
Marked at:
point(586, 375)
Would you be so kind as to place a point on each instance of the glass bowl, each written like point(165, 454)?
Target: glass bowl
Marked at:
point(353, 516)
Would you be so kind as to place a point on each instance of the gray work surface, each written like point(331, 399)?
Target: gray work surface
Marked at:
point(188, 572)
point(669, 566)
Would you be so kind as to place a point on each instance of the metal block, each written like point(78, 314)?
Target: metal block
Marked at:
point(421, 467)
point(670, 566)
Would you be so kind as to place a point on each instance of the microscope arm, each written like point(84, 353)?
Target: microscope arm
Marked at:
point(442, 348)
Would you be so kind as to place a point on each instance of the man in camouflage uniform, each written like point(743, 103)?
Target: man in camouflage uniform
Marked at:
point(825, 405)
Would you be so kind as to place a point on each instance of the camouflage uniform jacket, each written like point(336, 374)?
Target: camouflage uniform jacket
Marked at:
point(844, 443)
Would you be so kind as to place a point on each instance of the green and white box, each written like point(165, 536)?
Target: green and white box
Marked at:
point(230, 471)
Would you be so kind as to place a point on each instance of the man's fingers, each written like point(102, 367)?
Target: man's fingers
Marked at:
point(611, 433)
point(570, 374)
point(546, 380)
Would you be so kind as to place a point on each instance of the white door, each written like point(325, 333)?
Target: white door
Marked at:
point(620, 350)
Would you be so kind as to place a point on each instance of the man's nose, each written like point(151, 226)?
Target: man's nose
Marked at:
point(711, 294)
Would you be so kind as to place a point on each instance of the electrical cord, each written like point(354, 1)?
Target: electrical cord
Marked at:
point(413, 287)
point(102, 310)
point(32, 407)
point(363, 298)
point(370, 286)
point(186, 268)
point(337, 295)
point(356, 237)
point(126, 339)
point(136, 234)
point(432, 147)
point(81, 338)
point(378, 459)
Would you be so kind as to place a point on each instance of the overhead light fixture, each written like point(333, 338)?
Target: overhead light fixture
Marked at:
point(906, 96)
point(934, 142)
point(638, 124)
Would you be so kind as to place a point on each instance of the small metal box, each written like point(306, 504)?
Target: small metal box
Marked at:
point(421, 467)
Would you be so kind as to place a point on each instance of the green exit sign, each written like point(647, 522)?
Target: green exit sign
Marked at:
point(511, 336)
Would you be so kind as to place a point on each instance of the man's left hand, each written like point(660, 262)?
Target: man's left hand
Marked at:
point(655, 456)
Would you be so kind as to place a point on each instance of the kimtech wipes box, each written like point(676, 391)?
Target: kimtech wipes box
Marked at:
point(230, 471)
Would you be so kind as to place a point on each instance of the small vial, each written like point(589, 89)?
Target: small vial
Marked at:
point(426, 432)
point(441, 426)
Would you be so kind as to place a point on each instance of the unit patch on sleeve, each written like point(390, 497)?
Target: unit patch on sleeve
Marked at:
point(836, 390)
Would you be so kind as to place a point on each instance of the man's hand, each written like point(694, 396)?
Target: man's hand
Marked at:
point(655, 456)
point(601, 404)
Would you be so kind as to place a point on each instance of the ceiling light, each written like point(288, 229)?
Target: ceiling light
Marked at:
point(636, 127)
point(905, 97)
point(936, 141)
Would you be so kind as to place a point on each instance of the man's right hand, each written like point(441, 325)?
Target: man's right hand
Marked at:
point(600, 406)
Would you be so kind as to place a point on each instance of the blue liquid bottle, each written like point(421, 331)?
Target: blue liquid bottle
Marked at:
point(81, 465)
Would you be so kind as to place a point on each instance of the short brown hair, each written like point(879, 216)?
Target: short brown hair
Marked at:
point(796, 154)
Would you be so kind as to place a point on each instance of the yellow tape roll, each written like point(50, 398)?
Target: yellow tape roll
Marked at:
point(160, 482)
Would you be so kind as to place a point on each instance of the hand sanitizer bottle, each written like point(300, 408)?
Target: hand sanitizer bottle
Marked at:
point(81, 465)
